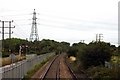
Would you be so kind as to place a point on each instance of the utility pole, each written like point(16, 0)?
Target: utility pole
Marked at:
point(96, 37)
point(34, 34)
point(82, 41)
point(3, 35)
point(99, 37)
point(10, 29)
point(3, 22)
point(3, 30)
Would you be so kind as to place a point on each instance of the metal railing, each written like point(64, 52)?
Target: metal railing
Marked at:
point(111, 65)
point(19, 69)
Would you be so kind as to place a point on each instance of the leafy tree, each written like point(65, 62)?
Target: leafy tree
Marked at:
point(95, 54)
point(76, 49)
point(13, 44)
point(72, 51)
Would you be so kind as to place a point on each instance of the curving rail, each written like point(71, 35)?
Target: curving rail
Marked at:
point(54, 67)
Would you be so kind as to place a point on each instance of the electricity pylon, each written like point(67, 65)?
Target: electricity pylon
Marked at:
point(34, 34)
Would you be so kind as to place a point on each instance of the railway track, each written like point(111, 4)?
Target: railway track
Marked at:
point(53, 70)
point(71, 71)
point(83, 75)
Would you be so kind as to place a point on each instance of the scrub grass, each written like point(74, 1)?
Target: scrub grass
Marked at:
point(7, 60)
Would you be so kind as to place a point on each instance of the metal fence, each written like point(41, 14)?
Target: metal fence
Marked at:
point(19, 69)
point(110, 65)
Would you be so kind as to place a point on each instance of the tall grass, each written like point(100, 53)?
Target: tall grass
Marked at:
point(7, 60)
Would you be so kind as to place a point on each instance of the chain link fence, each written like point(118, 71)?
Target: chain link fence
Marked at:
point(19, 69)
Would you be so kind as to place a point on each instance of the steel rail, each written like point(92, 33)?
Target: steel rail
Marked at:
point(48, 68)
point(71, 71)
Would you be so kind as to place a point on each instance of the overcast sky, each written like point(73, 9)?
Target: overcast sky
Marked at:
point(63, 20)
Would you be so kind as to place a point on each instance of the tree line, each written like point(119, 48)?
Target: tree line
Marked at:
point(37, 47)
point(93, 54)
point(88, 56)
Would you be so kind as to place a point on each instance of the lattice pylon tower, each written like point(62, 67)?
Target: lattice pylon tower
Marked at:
point(34, 32)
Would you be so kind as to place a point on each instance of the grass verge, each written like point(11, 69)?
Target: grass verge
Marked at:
point(103, 73)
point(31, 72)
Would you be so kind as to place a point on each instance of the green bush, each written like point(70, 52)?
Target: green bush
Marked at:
point(95, 54)
point(72, 51)
point(102, 73)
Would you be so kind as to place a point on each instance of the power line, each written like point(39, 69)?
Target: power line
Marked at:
point(20, 29)
point(17, 15)
point(78, 20)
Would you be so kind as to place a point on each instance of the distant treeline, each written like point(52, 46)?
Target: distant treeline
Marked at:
point(45, 46)
point(37, 47)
